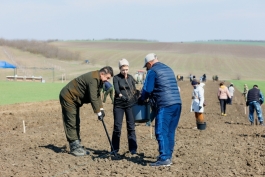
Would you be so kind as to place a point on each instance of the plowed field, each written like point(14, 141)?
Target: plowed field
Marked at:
point(228, 147)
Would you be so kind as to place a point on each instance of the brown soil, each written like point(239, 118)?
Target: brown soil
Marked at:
point(228, 147)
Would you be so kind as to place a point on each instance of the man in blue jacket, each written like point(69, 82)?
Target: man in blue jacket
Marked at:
point(161, 86)
point(254, 101)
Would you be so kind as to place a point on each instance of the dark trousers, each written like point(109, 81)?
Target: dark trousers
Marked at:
point(71, 119)
point(223, 105)
point(118, 118)
point(229, 100)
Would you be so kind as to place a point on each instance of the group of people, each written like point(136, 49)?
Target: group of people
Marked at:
point(160, 88)
point(201, 79)
point(253, 97)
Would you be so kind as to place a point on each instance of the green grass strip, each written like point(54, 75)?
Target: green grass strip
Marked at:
point(239, 84)
point(20, 92)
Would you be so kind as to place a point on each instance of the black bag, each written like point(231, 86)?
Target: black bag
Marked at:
point(228, 101)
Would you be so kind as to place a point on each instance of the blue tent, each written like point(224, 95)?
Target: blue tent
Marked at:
point(4, 64)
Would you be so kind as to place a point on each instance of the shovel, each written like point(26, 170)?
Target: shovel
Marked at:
point(114, 152)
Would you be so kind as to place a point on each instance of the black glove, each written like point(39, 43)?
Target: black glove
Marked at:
point(102, 112)
point(140, 101)
point(200, 107)
point(123, 98)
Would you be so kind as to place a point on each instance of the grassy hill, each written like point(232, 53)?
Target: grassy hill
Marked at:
point(227, 60)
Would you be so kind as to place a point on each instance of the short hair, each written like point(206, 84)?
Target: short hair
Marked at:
point(222, 83)
point(255, 86)
point(107, 70)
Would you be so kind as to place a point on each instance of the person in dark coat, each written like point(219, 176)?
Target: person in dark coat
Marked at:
point(254, 100)
point(160, 84)
point(81, 90)
point(124, 99)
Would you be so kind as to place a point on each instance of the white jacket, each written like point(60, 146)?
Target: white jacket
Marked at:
point(198, 95)
point(231, 90)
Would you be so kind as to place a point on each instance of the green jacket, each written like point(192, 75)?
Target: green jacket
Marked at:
point(84, 89)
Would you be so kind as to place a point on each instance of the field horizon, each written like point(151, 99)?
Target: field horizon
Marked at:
point(230, 61)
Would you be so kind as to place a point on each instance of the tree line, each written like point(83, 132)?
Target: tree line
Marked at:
point(42, 48)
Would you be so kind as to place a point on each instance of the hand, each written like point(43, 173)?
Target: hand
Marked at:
point(247, 103)
point(200, 107)
point(140, 101)
point(102, 112)
point(123, 98)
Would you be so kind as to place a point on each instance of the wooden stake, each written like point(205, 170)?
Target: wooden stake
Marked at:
point(245, 110)
point(151, 130)
point(24, 127)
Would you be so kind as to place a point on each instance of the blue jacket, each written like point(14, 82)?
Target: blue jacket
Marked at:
point(161, 86)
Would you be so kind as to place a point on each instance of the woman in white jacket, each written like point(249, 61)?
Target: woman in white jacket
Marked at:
point(198, 100)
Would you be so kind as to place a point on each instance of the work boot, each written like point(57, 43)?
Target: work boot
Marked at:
point(261, 123)
point(251, 123)
point(76, 149)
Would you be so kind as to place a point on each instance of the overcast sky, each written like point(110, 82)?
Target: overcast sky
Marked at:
point(162, 20)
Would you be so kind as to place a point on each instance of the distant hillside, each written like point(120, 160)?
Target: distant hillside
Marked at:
point(227, 60)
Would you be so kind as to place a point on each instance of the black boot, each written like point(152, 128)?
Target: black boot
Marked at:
point(76, 149)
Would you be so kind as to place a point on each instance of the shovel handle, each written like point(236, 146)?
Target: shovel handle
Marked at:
point(108, 137)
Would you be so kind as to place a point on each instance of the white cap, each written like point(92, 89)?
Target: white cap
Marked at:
point(149, 57)
point(123, 62)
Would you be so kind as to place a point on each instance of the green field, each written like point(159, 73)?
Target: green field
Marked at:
point(239, 84)
point(20, 92)
point(250, 43)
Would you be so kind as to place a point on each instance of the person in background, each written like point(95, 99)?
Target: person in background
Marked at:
point(198, 100)
point(124, 99)
point(161, 86)
point(231, 90)
point(223, 94)
point(245, 92)
point(254, 100)
point(191, 77)
point(108, 89)
point(204, 78)
point(83, 89)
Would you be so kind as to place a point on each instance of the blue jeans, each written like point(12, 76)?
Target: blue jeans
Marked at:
point(254, 105)
point(165, 127)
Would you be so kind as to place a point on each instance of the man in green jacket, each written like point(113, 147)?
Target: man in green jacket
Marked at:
point(83, 89)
